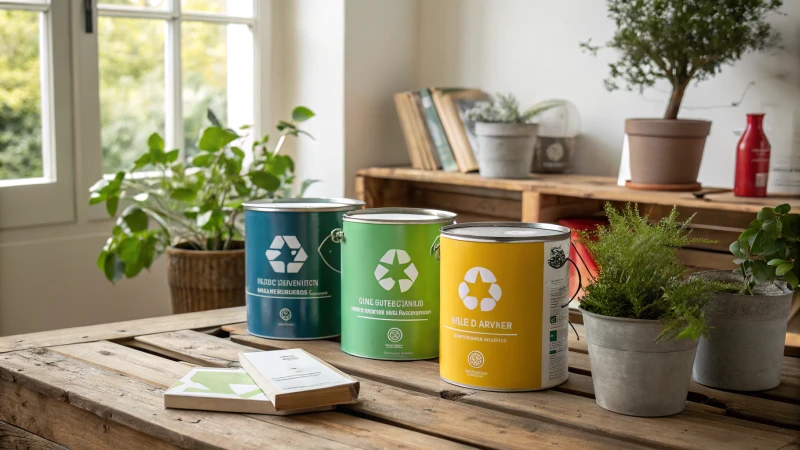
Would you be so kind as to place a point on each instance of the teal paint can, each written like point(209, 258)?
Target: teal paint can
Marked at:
point(390, 283)
point(292, 267)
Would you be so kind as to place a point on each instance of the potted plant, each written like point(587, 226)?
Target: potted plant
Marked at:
point(743, 349)
point(678, 41)
point(641, 316)
point(193, 212)
point(506, 136)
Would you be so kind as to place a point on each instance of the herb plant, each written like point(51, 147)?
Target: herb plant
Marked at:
point(680, 41)
point(505, 109)
point(640, 276)
point(197, 206)
point(769, 249)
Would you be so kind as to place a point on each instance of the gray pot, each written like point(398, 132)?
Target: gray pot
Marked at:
point(743, 349)
point(505, 150)
point(631, 373)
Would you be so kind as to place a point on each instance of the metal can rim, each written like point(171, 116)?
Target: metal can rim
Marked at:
point(435, 216)
point(274, 205)
point(563, 232)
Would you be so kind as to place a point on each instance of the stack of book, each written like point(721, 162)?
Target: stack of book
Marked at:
point(435, 128)
point(276, 382)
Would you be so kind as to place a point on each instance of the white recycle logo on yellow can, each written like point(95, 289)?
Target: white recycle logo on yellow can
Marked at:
point(486, 276)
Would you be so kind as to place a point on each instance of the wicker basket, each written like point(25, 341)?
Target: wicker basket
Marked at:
point(200, 280)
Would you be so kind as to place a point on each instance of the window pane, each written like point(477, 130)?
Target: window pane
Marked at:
point(243, 8)
point(20, 96)
point(217, 63)
point(135, 3)
point(131, 59)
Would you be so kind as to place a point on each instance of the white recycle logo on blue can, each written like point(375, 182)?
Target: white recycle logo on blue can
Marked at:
point(276, 250)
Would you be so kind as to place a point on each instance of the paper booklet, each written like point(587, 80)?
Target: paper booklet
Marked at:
point(227, 390)
point(294, 379)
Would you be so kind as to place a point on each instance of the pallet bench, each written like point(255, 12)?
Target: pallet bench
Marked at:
point(101, 387)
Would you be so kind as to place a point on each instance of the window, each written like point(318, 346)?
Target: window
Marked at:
point(163, 64)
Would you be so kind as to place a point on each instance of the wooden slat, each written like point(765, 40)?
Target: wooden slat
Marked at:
point(342, 428)
point(408, 409)
point(13, 438)
point(139, 406)
point(681, 431)
point(125, 329)
point(500, 209)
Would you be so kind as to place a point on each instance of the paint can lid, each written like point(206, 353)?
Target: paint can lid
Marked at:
point(400, 216)
point(506, 232)
point(309, 204)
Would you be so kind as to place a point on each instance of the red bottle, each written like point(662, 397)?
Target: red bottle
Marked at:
point(752, 160)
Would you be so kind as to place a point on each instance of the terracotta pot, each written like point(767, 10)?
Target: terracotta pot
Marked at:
point(666, 151)
point(200, 280)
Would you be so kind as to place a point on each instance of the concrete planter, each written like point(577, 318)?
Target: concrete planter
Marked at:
point(743, 349)
point(631, 373)
point(505, 150)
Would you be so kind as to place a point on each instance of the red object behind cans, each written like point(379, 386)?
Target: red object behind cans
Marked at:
point(580, 254)
point(752, 160)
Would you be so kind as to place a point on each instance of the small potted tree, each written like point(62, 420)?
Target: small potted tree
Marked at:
point(642, 317)
point(678, 41)
point(194, 212)
point(743, 349)
point(506, 136)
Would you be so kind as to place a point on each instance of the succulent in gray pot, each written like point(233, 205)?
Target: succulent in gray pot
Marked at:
point(743, 349)
point(192, 211)
point(642, 316)
point(678, 42)
point(506, 136)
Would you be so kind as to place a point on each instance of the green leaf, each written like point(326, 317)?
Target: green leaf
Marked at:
point(301, 114)
point(766, 214)
point(305, 133)
point(265, 180)
point(776, 262)
point(143, 161)
point(241, 188)
point(783, 208)
point(215, 139)
point(305, 185)
point(772, 227)
point(155, 142)
point(114, 269)
point(757, 242)
point(783, 268)
point(238, 152)
point(183, 194)
point(791, 278)
point(99, 186)
point(788, 228)
point(203, 160)
point(762, 272)
point(233, 167)
point(111, 206)
point(734, 247)
point(245, 127)
point(283, 125)
point(136, 219)
point(171, 156)
point(213, 118)
point(96, 198)
point(101, 260)
point(129, 250)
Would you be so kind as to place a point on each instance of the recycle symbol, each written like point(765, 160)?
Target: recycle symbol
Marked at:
point(471, 277)
point(276, 250)
point(402, 259)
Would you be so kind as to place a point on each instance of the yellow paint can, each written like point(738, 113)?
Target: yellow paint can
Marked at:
point(504, 291)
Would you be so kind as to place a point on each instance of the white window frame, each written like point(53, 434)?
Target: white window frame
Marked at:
point(48, 199)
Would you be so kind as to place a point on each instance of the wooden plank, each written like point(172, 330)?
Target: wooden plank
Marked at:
point(124, 329)
point(57, 420)
point(13, 438)
point(531, 206)
point(679, 431)
point(499, 208)
point(139, 406)
point(343, 428)
point(424, 413)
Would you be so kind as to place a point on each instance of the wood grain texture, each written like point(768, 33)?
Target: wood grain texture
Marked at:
point(691, 429)
point(416, 411)
point(124, 329)
point(335, 426)
point(13, 438)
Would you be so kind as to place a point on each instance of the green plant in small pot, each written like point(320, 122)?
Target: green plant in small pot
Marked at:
point(193, 212)
point(506, 136)
point(642, 316)
point(743, 349)
point(677, 42)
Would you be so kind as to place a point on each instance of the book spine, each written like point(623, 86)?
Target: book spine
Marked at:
point(408, 133)
point(436, 131)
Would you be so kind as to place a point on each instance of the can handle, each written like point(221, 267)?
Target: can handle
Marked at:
point(435, 248)
point(336, 236)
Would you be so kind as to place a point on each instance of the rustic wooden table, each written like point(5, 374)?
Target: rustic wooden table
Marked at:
point(101, 387)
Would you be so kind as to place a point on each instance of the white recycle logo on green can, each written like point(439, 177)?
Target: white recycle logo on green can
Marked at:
point(402, 259)
point(276, 250)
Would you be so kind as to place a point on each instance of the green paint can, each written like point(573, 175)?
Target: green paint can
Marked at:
point(390, 282)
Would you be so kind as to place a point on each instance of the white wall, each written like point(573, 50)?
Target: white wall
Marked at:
point(530, 47)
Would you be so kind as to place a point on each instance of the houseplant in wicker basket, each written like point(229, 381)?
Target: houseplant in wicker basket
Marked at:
point(193, 212)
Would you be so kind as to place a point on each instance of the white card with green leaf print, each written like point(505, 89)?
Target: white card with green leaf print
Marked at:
point(229, 390)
